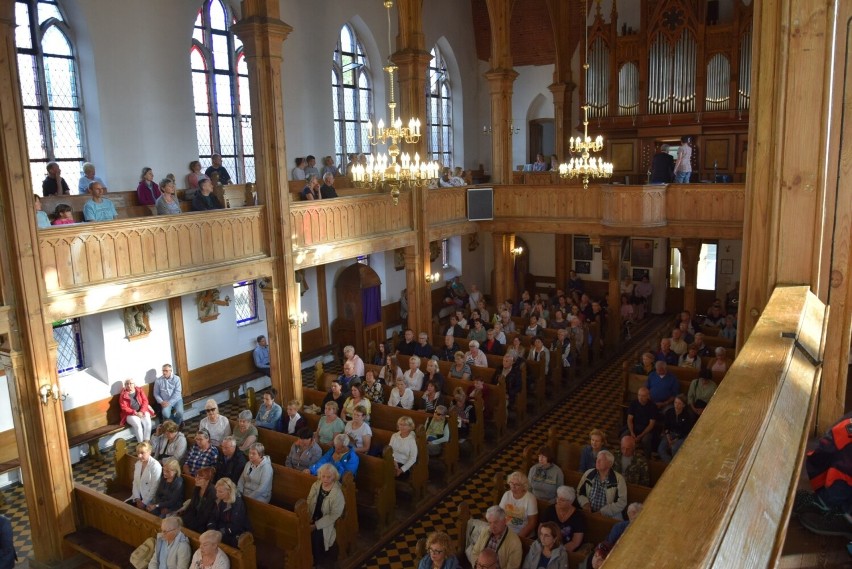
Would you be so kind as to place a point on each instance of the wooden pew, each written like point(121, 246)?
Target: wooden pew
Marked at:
point(495, 405)
point(108, 530)
point(635, 493)
point(375, 488)
point(597, 530)
point(568, 454)
point(278, 530)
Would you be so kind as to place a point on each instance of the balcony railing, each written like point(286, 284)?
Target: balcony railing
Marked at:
point(117, 257)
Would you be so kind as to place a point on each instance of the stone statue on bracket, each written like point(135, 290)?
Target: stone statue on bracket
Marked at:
point(136, 321)
point(208, 303)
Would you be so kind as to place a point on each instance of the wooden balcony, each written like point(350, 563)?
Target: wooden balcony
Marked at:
point(91, 267)
point(332, 230)
point(729, 490)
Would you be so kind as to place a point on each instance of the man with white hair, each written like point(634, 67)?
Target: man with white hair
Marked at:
point(327, 188)
point(602, 489)
point(475, 356)
point(497, 538)
point(633, 510)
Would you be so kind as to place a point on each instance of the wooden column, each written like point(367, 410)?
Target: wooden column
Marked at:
point(836, 291)
point(412, 61)
point(322, 295)
point(29, 352)
point(562, 98)
point(565, 19)
point(562, 262)
point(504, 284)
point(419, 291)
point(263, 33)
point(501, 78)
point(181, 362)
point(690, 250)
point(612, 256)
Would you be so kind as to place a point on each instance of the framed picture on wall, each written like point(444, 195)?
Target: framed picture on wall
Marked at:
point(583, 267)
point(642, 253)
point(582, 249)
point(638, 274)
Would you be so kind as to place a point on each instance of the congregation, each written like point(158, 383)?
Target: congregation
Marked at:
point(440, 393)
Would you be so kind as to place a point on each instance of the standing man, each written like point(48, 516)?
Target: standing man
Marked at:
point(169, 394)
point(54, 184)
point(261, 355)
point(683, 165)
point(311, 166)
point(662, 166)
point(98, 208)
point(224, 176)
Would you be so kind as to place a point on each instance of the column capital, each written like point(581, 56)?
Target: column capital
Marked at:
point(500, 78)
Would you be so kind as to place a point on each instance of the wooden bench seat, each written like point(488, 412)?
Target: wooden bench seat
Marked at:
point(278, 531)
point(108, 529)
point(374, 483)
point(495, 406)
point(598, 528)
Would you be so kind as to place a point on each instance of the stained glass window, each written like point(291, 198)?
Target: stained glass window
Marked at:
point(221, 92)
point(352, 94)
point(439, 111)
point(49, 90)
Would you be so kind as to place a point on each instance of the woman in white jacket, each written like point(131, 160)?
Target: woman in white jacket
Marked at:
point(256, 480)
point(325, 505)
point(146, 477)
point(172, 550)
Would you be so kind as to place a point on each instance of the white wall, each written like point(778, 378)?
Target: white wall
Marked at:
point(112, 358)
point(210, 342)
point(136, 85)
point(530, 96)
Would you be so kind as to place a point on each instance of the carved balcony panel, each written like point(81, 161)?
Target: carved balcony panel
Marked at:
point(97, 266)
point(633, 206)
point(446, 213)
point(705, 203)
point(331, 230)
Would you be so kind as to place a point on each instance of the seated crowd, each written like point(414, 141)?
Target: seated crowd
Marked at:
point(538, 507)
point(161, 197)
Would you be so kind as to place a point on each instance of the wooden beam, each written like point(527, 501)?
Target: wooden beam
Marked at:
point(178, 337)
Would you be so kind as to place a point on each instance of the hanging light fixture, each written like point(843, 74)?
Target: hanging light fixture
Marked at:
point(586, 166)
point(394, 170)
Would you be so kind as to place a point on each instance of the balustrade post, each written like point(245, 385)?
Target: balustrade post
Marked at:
point(29, 351)
point(263, 33)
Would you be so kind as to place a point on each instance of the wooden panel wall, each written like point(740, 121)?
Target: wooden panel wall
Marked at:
point(81, 255)
point(705, 203)
point(548, 202)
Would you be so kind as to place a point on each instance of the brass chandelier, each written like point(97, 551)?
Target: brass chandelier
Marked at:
point(586, 166)
point(394, 170)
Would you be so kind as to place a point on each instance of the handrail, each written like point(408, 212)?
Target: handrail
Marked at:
point(726, 498)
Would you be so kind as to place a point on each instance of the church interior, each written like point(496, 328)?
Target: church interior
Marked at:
point(743, 100)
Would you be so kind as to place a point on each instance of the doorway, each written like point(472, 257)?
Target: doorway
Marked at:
point(542, 139)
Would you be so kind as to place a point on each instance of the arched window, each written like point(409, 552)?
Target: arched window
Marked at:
point(439, 111)
point(221, 92)
point(49, 91)
point(352, 93)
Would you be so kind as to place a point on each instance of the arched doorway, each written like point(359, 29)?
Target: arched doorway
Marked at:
point(359, 308)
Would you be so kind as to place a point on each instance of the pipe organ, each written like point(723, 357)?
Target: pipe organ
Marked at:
point(677, 75)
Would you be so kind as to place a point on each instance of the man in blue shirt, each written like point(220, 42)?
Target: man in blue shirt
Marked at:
point(261, 355)
point(98, 208)
point(663, 386)
point(169, 394)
